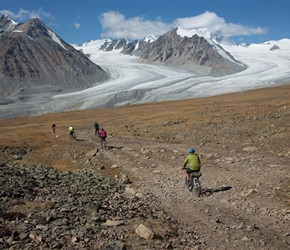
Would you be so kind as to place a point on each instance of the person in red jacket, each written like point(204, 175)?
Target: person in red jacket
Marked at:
point(103, 136)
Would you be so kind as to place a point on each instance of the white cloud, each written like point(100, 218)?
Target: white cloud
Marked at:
point(77, 25)
point(23, 15)
point(213, 22)
point(115, 25)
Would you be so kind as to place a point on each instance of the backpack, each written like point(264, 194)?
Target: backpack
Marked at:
point(103, 134)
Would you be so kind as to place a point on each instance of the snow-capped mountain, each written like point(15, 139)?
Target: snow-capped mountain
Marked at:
point(197, 51)
point(210, 36)
point(33, 56)
point(150, 38)
point(132, 82)
point(138, 82)
point(6, 24)
point(192, 53)
point(114, 45)
point(93, 43)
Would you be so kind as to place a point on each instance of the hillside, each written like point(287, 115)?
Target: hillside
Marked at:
point(34, 59)
point(242, 139)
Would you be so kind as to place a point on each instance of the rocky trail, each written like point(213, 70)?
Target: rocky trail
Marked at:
point(235, 210)
point(243, 142)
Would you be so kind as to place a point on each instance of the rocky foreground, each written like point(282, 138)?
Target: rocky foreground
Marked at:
point(44, 208)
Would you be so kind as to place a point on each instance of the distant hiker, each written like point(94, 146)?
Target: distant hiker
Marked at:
point(71, 131)
point(53, 126)
point(96, 126)
point(103, 136)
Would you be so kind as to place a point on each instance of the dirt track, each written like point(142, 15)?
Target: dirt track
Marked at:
point(242, 139)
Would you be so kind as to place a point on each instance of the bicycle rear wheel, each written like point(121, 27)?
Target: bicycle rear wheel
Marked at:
point(196, 186)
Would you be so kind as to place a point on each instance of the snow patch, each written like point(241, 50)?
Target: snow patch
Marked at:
point(55, 38)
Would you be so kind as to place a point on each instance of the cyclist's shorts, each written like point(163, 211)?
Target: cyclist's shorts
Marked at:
point(189, 171)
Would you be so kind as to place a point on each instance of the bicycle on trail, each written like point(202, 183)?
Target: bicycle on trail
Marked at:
point(103, 136)
point(71, 131)
point(192, 172)
point(193, 183)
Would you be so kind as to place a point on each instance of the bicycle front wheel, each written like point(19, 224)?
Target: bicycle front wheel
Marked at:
point(196, 186)
point(188, 184)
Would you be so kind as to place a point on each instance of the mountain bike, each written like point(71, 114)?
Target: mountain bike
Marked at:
point(72, 136)
point(103, 143)
point(194, 183)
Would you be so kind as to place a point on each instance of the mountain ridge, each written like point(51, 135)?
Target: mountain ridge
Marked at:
point(198, 54)
point(132, 82)
point(33, 56)
point(6, 24)
point(190, 53)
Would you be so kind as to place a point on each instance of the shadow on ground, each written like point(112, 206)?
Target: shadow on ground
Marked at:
point(211, 191)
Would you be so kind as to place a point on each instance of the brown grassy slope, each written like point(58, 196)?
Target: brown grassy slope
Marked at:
point(258, 117)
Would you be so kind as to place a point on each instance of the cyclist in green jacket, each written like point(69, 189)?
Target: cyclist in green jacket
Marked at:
point(71, 131)
point(193, 160)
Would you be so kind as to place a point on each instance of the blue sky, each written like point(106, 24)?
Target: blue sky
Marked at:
point(80, 21)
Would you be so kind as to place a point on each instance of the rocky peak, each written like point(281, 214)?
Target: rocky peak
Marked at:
point(34, 28)
point(150, 38)
point(275, 47)
point(199, 52)
point(114, 44)
point(193, 53)
point(32, 56)
point(6, 24)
